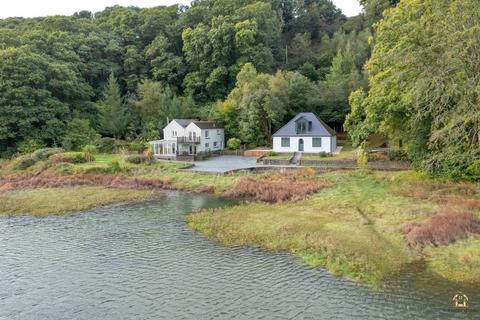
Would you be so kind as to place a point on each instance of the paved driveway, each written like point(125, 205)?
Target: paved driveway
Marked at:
point(224, 164)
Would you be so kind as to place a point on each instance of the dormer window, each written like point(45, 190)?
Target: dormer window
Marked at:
point(301, 127)
point(309, 126)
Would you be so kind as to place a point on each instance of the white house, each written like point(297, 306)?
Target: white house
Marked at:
point(305, 133)
point(189, 137)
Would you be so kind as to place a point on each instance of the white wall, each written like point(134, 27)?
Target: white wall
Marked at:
point(214, 136)
point(327, 144)
point(171, 128)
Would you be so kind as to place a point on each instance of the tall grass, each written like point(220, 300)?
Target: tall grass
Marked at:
point(443, 228)
point(277, 187)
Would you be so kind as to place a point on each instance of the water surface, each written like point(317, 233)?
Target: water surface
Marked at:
point(143, 262)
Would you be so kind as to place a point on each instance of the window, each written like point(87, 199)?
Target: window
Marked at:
point(218, 132)
point(309, 125)
point(316, 142)
point(285, 142)
point(206, 134)
point(215, 144)
point(174, 133)
point(207, 145)
point(301, 127)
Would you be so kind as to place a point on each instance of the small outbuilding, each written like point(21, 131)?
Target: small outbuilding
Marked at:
point(305, 133)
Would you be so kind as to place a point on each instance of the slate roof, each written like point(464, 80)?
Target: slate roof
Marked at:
point(201, 124)
point(319, 128)
point(208, 125)
point(184, 122)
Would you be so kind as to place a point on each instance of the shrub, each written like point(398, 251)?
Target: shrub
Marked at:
point(89, 151)
point(23, 163)
point(114, 166)
point(362, 157)
point(136, 158)
point(323, 154)
point(68, 157)
point(271, 154)
point(29, 146)
point(397, 155)
point(277, 187)
point(79, 133)
point(105, 145)
point(473, 171)
point(443, 228)
point(135, 147)
point(148, 153)
point(234, 143)
point(45, 153)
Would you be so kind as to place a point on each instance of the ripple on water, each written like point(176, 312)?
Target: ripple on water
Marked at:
point(143, 262)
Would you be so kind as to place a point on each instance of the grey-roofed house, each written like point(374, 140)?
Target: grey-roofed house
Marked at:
point(305, 133)
point(188, 137)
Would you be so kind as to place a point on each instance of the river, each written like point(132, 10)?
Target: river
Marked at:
point(143, 262)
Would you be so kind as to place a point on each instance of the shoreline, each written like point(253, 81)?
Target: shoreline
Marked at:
point(351, 225)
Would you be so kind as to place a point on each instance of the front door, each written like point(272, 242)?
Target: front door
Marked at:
point(300, 145)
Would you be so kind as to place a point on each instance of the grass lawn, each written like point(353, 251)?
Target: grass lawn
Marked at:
point(48, 201)
point(352, 228)
point(280, 156)
point(347, 153)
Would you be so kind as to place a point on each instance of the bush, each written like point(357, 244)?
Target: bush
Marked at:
point(234, 143)
point(89, 152)
point(114, 166)
point(136, 158)
point(443, 228)
point(105, 145)
point(323, 154)
point(24, 163)
point(45, 153)
point(29, 146)
point(68, 157)
point(271, 154)
point(135, 147)
point(148, 153)
point(397, 155)
point(79, 134)
point(362, 157)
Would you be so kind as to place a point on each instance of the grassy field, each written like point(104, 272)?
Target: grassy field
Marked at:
point(279, 156)
point(48, 201)
point(352, 228)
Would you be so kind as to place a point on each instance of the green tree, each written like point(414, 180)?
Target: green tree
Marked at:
point(112, 110)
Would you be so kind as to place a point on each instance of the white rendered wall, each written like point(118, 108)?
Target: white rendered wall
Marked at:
point(307, 144)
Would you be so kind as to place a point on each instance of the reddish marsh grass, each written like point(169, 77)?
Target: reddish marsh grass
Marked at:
point(445, 227)
point(49, 180)
point(277, 187)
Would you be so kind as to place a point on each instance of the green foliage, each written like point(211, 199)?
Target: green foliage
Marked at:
point(136, 158)
point(397, 154)
point(105, 145)
point(113, 113)
point(29, 146)
point(271, 154)
point(234, 143)
point(68, 157)
point(114, 166)
point(23, 163)
point(90, 151)
point(44, 153)
point(362, 157)
point(79, 133)
point(423, 88)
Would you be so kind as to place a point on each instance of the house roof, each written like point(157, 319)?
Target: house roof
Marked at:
point(208, 125)
point(319, 128)
point(199, 123)
point(184, 122)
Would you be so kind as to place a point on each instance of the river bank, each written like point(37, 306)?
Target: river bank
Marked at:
point(369, 226)
point(356, 226)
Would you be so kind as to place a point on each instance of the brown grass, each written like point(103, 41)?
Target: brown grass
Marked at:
point(277, 187)
point(49, 180)
point(445, 227)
